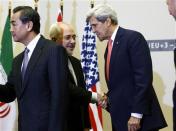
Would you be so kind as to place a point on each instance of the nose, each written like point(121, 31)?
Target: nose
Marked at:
point(11, 29)
point(73, 40)
point(93, 29)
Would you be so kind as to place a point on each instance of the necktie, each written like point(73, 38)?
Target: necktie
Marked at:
point(25, 62)
point(108, 57)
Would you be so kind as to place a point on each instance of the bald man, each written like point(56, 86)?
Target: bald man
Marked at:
point(78, 120)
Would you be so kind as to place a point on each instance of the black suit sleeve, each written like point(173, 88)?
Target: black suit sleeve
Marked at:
point(58, 77)
point(142, 70)
point(79, 94)
point(7, 91)
point(85, 111)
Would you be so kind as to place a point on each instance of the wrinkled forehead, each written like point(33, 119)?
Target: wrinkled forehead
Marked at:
point(93, 20)
point(69, 31)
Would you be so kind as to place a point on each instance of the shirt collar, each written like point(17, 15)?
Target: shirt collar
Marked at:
point(114, 33)
point(33, 44)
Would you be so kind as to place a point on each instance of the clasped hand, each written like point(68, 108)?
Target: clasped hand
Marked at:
point(102, 100)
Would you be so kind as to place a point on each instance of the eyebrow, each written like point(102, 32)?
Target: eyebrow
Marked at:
point(70, 35)
point(12, 21)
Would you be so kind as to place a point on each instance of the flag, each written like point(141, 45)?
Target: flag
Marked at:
point(59, 17)
point(7, 110)
point(89, 64)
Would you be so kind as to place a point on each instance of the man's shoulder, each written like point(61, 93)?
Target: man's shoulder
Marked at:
point(73, 58)
point(49, 43)
point(130, 31)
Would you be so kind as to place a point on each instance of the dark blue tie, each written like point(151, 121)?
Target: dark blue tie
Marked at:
point(25, 62)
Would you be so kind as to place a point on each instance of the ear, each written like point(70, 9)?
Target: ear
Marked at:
point(108, 21)
point(29, 25)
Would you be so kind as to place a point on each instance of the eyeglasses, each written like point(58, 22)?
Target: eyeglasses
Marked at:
point(69, 37)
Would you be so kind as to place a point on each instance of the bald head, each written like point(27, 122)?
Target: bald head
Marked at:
point(65, 26)
point(63, 33)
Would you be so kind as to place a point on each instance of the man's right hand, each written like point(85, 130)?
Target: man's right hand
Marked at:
point(102, 100)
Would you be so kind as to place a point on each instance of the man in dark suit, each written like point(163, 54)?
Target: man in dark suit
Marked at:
point(78, 118)
point(172, 10)
point(41, 91)
point(132, 101)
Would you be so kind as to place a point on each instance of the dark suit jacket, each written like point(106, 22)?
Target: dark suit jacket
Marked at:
point(130, 82)
point(78, 117)
point(42, 96)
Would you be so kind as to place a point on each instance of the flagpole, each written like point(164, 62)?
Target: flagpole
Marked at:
point(8, 111)
point(10, 6)
point(92, 3)
point(92, 80)
point(61, 7)
point(36, 4)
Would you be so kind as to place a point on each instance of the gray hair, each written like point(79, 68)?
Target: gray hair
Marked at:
point(102, 12)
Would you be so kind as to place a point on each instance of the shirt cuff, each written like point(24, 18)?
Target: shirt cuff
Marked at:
point(137, 115)
point(94, 97)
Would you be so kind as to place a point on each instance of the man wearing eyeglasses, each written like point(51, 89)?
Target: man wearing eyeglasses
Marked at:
point(78, 117)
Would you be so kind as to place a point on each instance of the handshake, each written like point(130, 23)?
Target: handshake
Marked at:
point(102, 100)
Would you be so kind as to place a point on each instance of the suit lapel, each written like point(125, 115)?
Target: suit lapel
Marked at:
point(19, 75)
point(116, 44)
point(19, 63)
point(33, 60)
point(74, 69)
